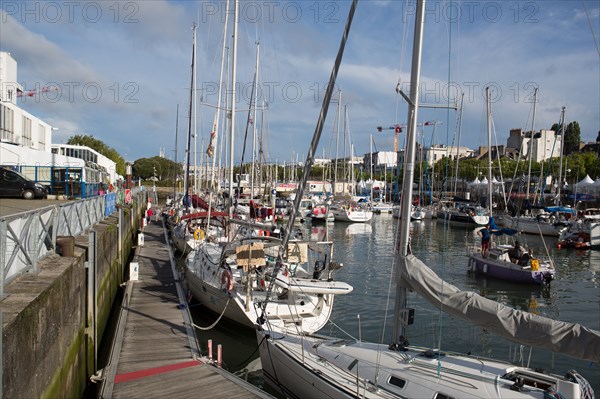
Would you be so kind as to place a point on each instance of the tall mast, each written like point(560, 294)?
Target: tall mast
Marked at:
point(310, 156)
point(371, 157)
point(399, 327)
point(462, 99)
point(337, 139)
point(530, 146)
point(186, 195)
point(176, 134)
point(224, 142)
point(210, 150)
point(489, 137)
point(232, 122)
point(562, 144)
point(194, 110)
point(346, 177)
point(254, 121)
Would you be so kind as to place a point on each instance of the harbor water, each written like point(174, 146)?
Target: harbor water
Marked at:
point(366, 251)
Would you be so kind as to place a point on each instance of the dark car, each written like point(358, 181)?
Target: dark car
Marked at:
point(14, 184)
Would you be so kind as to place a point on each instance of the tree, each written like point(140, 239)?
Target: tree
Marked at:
point(598, 137)
point(572, 136)
point(165, 168)
point(100, 147)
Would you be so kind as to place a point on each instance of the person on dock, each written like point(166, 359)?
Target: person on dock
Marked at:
point(485, 235)
point(149, 214)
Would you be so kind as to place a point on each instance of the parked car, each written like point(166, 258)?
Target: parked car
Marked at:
point(14, 184)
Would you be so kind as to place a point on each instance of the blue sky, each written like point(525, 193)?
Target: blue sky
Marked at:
point(122, 67)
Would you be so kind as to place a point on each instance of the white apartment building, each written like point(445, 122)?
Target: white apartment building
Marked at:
point(434, 153)
point(545, 144)
point(17, 126)
point(26, 144)
point(380, 161)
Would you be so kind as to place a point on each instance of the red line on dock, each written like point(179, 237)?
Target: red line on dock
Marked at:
point(134, 375)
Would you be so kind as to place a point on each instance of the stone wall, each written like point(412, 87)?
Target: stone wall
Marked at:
point(49, 333)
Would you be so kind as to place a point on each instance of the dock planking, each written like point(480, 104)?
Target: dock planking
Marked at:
point(155, 352)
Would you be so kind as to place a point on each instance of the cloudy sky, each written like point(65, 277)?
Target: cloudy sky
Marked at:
point(120, 69)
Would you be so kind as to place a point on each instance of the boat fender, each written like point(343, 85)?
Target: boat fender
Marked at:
point(227, 280)
point(198, 234)
point(535, 265)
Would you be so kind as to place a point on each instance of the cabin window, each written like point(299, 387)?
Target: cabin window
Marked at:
point(399, 382)
point(440, 395)
point(354, 363)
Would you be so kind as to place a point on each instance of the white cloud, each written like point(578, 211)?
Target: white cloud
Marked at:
point(144, 56)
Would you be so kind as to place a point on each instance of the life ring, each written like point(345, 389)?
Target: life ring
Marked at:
point(227, 279)
point(198, 234)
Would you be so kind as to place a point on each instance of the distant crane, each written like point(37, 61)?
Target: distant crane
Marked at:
point(398, 129)
point(31, 93)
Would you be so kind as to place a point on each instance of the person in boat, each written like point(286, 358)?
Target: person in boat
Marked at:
point(517, 252)
point(485, 235)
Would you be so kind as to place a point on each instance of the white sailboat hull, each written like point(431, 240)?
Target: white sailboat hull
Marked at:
point(318, 367)
point(352, 216)
point(531, 225)
point(299, 305)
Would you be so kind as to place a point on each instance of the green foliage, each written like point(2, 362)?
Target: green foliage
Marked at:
point(99, 146)
point(165, 168)
point(572, 136)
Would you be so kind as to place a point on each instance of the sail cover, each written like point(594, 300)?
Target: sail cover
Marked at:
point(515, 325)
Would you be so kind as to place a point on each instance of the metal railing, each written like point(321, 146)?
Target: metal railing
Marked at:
point(27, 237)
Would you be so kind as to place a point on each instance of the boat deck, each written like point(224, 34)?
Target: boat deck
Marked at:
point(155, 352)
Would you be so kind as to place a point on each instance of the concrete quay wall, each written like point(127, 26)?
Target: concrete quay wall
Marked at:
point(53, 321)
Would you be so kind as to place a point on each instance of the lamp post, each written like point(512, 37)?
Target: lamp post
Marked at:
point(128, 183)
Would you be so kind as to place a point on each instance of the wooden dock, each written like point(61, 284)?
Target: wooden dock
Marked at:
point(155, 352)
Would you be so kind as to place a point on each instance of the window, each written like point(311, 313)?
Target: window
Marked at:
point(26, 141)
point(42, 136)
point(7, 128)
point(440, 395)
point(399, 382)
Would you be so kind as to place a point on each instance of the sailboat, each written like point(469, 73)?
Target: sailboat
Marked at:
point(311, 366)
point(232, 271)
point(234, 276)
point(182, 231)
point(504, 261)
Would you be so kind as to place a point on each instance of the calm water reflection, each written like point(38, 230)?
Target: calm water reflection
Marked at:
point(366, 250)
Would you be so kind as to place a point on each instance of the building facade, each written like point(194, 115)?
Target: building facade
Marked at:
point(26, 146)
point(542, 145)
